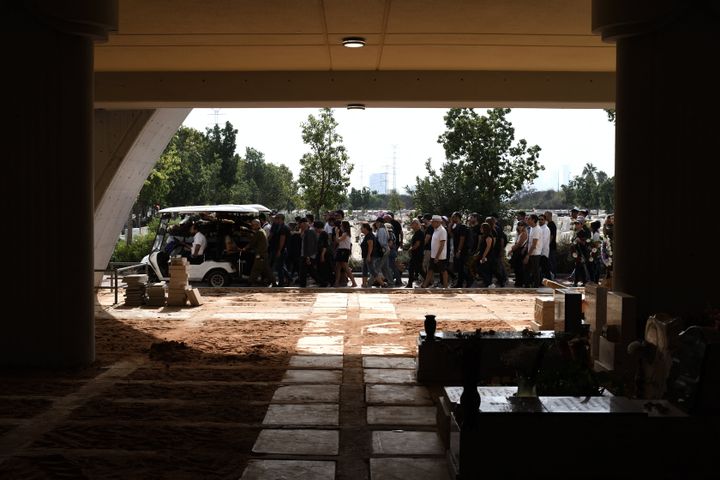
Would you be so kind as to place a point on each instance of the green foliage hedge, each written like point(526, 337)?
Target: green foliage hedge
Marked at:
point(135, 251)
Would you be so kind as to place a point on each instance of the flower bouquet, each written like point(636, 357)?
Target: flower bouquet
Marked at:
point(606, 253)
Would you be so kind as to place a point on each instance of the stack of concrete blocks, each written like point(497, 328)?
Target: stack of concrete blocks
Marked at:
point(595, 315)
point(177, 291)
point(619, 331)
point(156, 294)
point(135, 291)
point(544, 314)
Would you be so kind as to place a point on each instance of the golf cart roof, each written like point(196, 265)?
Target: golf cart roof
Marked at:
point(253, 209)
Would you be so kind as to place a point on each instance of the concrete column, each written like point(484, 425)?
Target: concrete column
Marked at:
point(666, 165)
point(48, 183)
point(128, 144)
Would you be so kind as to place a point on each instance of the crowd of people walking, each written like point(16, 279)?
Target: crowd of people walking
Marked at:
point(463, 254)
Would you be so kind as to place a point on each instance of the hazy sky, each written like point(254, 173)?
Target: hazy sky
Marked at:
point(569, 138)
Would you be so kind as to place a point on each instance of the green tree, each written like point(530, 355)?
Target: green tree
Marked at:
point(221, 144)
point(281, 190)
point(529, 199)
point(592, 189)
point(483, 166)
point(325, 170)
point(186, 184)
point(394, 202)
point(158, 184)
point(220, 163)
point(360, 199)
point(611, 115)
point(260, 182)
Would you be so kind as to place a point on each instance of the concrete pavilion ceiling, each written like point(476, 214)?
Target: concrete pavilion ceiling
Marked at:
point(287, 35)
point(196, 52)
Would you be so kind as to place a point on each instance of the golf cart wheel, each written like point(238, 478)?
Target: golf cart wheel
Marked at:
point(218, 278)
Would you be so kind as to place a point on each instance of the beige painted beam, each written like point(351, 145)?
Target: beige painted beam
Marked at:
point(128, 144)
point(337, 89)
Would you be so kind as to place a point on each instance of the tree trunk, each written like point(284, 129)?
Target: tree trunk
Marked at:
point(129, 227)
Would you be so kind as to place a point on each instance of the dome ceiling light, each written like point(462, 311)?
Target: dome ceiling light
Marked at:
point(353, 42)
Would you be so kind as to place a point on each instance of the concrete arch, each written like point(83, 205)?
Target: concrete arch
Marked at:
point(128, 144)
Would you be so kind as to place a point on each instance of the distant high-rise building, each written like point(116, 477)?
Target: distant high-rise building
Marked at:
point(565, 175)
point(378, 182)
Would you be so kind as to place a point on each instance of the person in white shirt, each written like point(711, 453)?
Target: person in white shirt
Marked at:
point(532, 259)
point(199, 244)
point(438, 253)
point(545, 251)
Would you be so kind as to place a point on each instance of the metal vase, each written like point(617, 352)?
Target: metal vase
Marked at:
point(430, 326)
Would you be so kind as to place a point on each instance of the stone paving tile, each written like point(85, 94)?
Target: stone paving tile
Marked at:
point(307, 394)
point(401, 415)
point(384, 329)
point(320, 349)
point(308, 414)
point(301, 442)
point(397, 395)
point(378, 316)
point(316, 361)
point(385, 349)
point(389, 362)
point(320, 345)
point(312, 376)
point(389, 375)
point(320, 340)
point(289, 469)
point(402, 442)
point(405, 468)
point(260, 315)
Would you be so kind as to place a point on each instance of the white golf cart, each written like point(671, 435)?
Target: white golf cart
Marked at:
point(216, 222)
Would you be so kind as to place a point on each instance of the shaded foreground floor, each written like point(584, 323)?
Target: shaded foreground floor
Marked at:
point(317, 385)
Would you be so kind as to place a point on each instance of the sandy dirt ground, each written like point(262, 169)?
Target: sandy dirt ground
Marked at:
point(182, 392)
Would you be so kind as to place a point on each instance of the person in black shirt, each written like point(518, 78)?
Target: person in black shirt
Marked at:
point(417, 247)
point(279, 244)
point(498, 250)
point(580, 254)
point(473, 239)
point(428, 237)
point(322, 260)
point(294, 245)
point(460, 247)
point(397, 229)
point(368, 248)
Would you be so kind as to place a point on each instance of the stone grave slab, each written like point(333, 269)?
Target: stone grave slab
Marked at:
point(614, 405)
point(595, 315)
point(389, 362)
point(317, 361)
point(384, 349)
point(404, 468)
point(307, 394)
point(453, 393)
point(389, 375)
point(312, 376)
point(281, 469)
point(402, 442)
point(297, 442)
point(382, 415)
point(308, 414)
point(397, 395)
